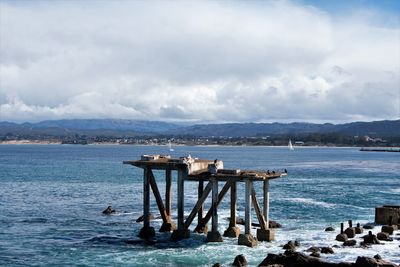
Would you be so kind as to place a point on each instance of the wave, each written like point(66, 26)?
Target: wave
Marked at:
point(309, 201)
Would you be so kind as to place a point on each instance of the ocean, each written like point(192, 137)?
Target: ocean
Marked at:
point(52, 197)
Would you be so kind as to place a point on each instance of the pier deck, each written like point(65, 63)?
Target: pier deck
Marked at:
point(208, 174)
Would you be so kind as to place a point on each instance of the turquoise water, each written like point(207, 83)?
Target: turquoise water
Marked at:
point(51, 198)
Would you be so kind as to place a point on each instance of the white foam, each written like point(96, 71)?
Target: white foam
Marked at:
point(309, 201)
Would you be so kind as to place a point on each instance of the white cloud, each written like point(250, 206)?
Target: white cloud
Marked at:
point(198, 61)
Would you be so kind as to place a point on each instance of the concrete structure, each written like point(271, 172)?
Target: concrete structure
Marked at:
point(385, 213)
point(196, 170)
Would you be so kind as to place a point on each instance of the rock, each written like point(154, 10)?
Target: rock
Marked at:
point(350, 232)
point(274, 224)
point(369, 226)
point(247, 240)
point(382, 236)
point(239, 261)
point(327, 250)
point(315, 254)
point(295, 259)
point(297, 243)
point(109, 210)
point(329, 229)
point(350, 243)
point(378, 257)
point(370, 239)
point(341, 237)
point(313, 249)
point(389, 229)
point(289, 246)
point(232, 232)
point(217, 264)
point(141, 218)
point(372, 262)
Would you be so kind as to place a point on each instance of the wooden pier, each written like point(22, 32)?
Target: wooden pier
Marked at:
point(208, 174)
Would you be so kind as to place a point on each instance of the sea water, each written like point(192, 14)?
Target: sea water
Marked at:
point(52, 197)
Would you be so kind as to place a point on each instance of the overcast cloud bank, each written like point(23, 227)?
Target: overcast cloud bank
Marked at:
point(196, 61)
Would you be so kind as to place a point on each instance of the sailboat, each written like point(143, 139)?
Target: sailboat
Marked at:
point(170, 146)
point(290, 145)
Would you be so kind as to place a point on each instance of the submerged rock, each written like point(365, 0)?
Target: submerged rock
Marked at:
point(329, 229)
point(327, 250)
point(369, 226)
point(141, 218)
point(109, 210)
point(350, 243)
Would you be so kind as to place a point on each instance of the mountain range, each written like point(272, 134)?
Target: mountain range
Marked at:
point(118, 127)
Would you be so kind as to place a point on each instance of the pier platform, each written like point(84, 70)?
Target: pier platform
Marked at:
point(208, 174)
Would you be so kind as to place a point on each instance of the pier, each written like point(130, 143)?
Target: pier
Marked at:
point(208, 174)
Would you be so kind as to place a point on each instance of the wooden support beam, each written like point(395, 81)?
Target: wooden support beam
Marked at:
point(198, 205)
point(260, 217)
point(214, 205)
point(232, 221)
point(266, 202)
point(181, 204)
point(221, 195)
point(157, 196)
point(146, 198)
point(168, 192)
point(199, 194)
point(247, 210)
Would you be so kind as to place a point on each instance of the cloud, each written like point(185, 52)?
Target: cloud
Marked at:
point(196, 61)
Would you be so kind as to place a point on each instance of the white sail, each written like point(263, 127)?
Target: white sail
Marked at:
point(170, 146)
point(290, 145)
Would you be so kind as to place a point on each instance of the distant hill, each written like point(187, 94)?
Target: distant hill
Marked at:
point(376, 128)
point(116, 127)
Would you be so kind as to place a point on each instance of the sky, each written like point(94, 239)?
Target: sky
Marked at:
point(200, 61)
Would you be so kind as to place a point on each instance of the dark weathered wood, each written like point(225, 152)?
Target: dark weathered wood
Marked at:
point(199, 194)
point(168, 192)
point(221, 195)
point(157, 196)
point(257, 209)
point(232, 221)
point(181, 204)
point(214, 203)
point(198, 205)
point(146, 198)
point(247, 208)
point(266, 202)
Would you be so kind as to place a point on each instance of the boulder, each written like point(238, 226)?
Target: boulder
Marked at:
point(239, 261)
point(109, 210)
point(247, 240)
point(369, 226)
point(297, 259)
point(315, 254)
point(389, 229)
point(217, 264)
point(329, 229)
point(373, 262)
point(350, 243)
point(341, 237)
point(289, 246)
point(313, 249)
point(382, 236)
point(327, 250)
